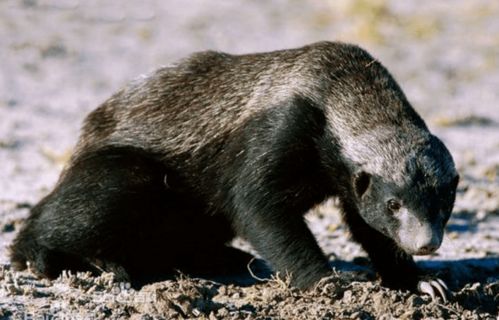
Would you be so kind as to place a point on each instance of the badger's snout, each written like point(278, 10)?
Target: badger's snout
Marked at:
point(418, 237)
point(428, 249)
point(427, 242)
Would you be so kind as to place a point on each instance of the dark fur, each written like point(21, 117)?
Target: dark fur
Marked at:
point(247, 145)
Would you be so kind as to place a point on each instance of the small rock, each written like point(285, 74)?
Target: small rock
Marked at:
point(347, 296)
point(415, 301)
point(223, 313)
point(8, 227)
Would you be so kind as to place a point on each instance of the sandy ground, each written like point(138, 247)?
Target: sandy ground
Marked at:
point(60, 58)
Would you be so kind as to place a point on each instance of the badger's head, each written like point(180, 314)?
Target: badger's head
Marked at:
point(412, 202)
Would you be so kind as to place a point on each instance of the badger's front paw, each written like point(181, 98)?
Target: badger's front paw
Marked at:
point(433, 287)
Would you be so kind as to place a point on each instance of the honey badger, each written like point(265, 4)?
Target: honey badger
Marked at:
point(178, 163)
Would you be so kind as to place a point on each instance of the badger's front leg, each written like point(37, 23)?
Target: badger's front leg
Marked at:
point(396, 268)
point(284, 241)
point(277, 179)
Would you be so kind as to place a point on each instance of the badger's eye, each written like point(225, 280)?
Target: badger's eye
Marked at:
point(393, 205)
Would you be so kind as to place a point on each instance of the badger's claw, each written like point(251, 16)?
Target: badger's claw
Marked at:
point(429, 286)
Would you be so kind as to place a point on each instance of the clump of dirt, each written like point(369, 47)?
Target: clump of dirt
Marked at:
point(342, 295)
point(183, 298)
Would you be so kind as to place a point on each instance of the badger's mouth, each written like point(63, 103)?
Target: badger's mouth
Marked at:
point(420, 250)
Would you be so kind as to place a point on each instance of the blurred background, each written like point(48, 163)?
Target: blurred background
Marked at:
point(60, 58)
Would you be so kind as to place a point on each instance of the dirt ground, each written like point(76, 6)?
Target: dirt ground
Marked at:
point(60, 58)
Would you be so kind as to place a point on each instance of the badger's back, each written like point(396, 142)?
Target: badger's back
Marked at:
point(183, 107)
point(209, 95)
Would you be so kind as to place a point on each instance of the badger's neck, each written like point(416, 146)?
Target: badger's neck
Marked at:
point(384, 150)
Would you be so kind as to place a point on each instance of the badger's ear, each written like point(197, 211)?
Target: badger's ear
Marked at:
point(361, 183)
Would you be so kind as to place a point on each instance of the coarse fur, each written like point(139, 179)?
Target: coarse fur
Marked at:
point(175, 165)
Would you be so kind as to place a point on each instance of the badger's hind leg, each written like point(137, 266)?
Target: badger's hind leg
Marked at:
point(102, 203)
point(28, 250)
point(192, 241)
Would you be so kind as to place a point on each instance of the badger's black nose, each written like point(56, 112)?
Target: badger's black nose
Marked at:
point(427, 249)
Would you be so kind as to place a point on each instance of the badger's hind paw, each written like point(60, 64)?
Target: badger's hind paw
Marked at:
point(434, 287)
